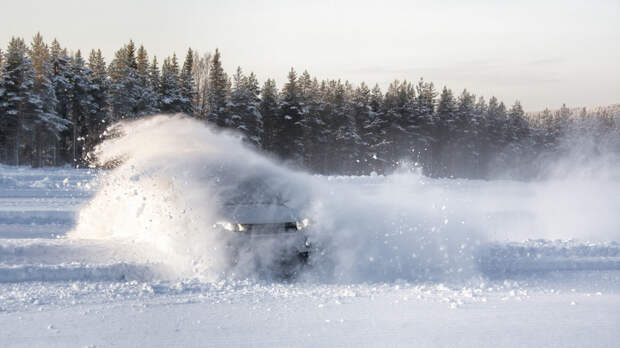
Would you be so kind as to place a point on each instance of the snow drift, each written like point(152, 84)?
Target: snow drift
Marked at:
point(163, 197)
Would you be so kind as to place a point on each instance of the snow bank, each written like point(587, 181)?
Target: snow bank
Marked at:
point(164, 198)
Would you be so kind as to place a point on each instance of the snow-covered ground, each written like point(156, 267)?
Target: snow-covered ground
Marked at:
point(126, 257)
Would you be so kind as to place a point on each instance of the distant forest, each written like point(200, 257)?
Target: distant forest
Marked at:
point(55, 106)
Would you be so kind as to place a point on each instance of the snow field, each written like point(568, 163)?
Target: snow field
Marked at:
point(126, 257)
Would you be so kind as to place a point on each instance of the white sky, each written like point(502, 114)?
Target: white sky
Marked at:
point(541, 52)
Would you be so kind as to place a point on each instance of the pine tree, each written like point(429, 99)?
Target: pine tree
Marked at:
point(254, 119)
point(3, 105)
point(399, 111)
point(218, 91)
point(238, 101)
point(315, 132)
point(96, 64)
point(47, 123)
point(289, 124)
point(548, 135)
point(43, 89)
point(147, 97)
point(125, 89)
point(496, 116)
point(446, 119)
point(359, 107)
point(322, 136)
point(424, 111)
point(375, 132)
point(516, 122)
point(304, 83)
point(562, 121)
point(21, 105)
point(61, 80)
point(481, 137)
point(187, 85)
point(154, 83)
point(81, 104)
point(344, 134)
point(170, 90)
point(465, 152)
point(244, 107)
point(97, 113)
point(517, 132)
point(142, 65)
point(268, 109)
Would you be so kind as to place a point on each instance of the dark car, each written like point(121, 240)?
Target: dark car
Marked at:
point(261, 221)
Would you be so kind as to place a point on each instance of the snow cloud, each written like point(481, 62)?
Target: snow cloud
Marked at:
point(164, 196)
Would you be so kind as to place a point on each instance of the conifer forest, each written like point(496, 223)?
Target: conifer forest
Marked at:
point(55, 105)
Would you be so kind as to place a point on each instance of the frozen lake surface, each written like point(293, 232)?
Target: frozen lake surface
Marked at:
point(57, 291)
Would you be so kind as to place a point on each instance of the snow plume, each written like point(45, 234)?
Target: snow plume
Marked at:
point(578, 193)
point(163, 198)
point(403, 226)
point(165, 194)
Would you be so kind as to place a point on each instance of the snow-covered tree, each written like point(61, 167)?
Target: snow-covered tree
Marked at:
point(81, 104)
point(496, 119)
point(289, 124)
point(268, 109)
point(61, 62)
point(328, 127)
point(218, 93)
point(125, 88)
point(47, 123)
point(187, 84)
point(169, 88)
point(375, 132)
point(315, 132)
point(345, 134)
point(97, 113)
point(244, 107)
point(362, 115)
point(21, 104)
point(3, 104)
point(446, 122)
point(398, 112)
point(518, 147)
point(465, 154)
point(480, 136)
point(147, 96)
point(154, 82)
point(426, 127)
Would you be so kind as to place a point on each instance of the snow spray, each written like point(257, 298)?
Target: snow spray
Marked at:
point(163, 196)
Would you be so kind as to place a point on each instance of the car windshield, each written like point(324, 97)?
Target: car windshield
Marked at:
point(251, 191)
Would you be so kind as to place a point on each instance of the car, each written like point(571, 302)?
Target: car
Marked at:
point(263, 226)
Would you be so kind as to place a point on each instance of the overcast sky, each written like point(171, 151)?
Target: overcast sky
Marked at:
point(543, 53)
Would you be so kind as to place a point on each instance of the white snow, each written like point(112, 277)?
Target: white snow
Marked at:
point(127, 257)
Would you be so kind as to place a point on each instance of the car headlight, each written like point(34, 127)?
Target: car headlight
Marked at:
point(229, 226)
point(303, 224)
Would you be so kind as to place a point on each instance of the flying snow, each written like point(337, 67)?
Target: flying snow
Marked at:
point(162, 198)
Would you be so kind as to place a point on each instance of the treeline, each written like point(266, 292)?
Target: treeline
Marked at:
point(54, 107)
